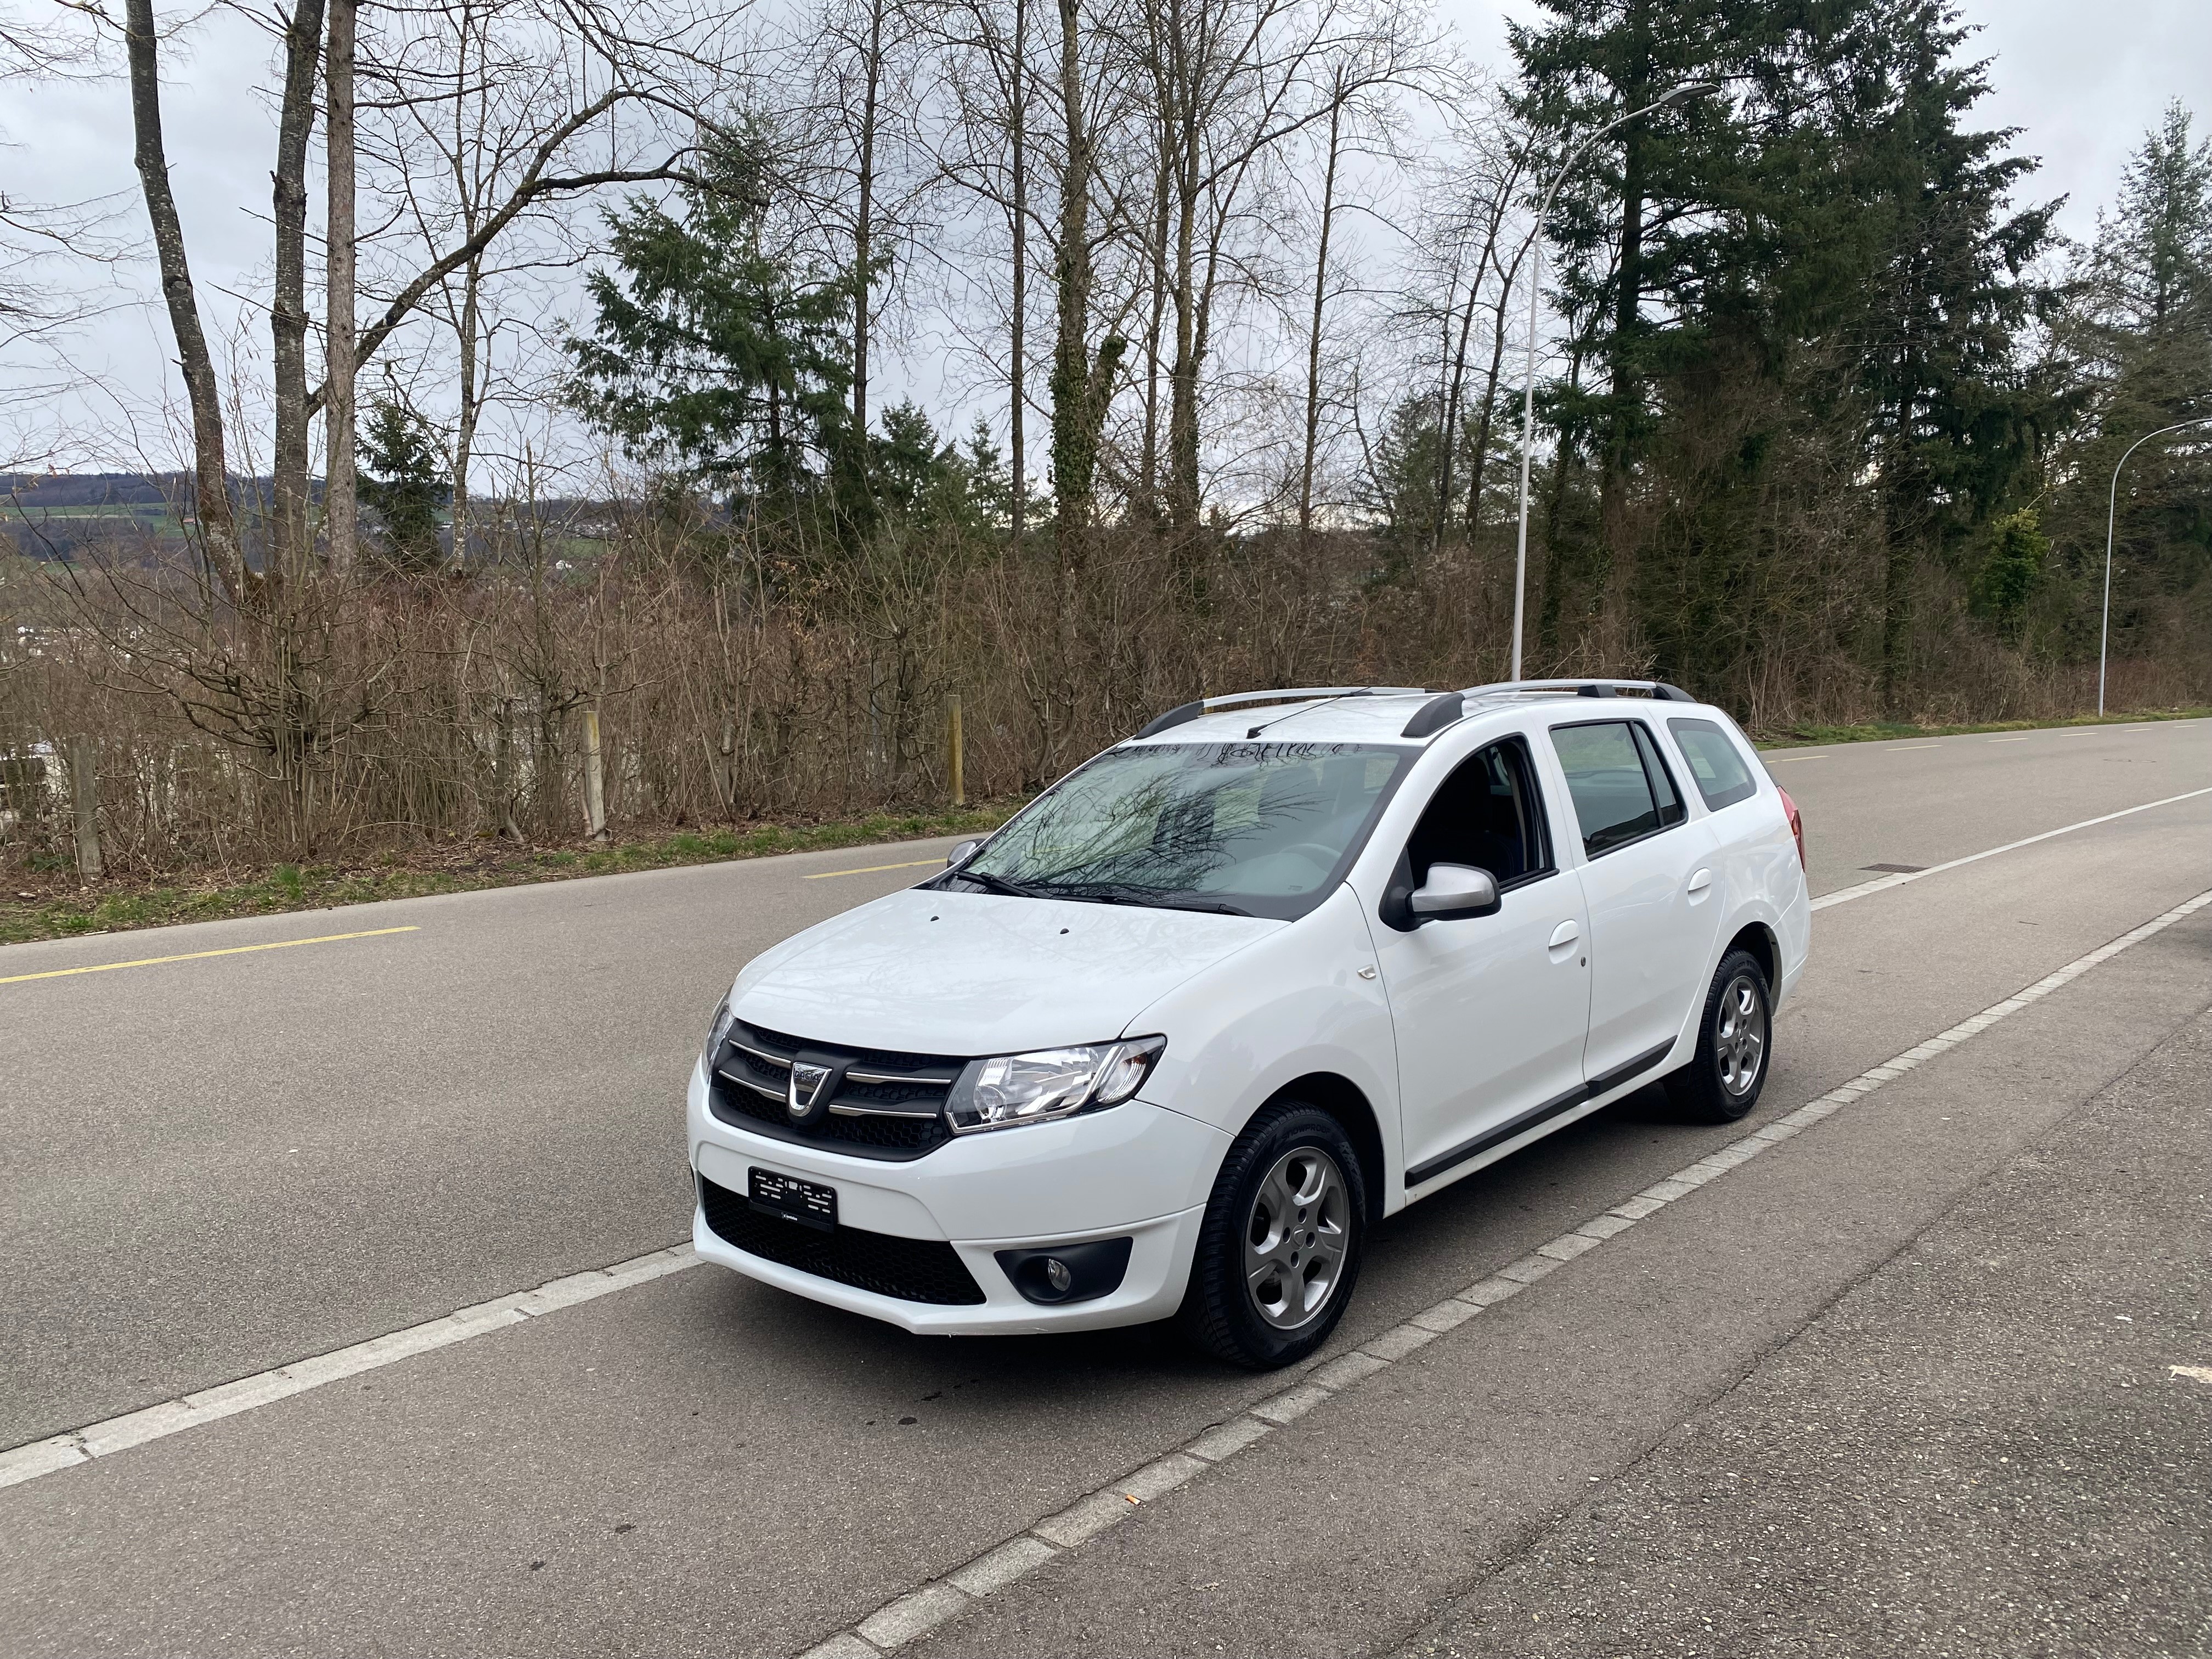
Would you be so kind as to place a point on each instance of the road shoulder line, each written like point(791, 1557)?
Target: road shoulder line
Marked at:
point(245, 1394)
point(1882, 884)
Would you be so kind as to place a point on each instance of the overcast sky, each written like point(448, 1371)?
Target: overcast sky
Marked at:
point(2081, 81)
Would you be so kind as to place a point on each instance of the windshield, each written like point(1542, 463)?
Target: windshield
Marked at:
point(1254, 828)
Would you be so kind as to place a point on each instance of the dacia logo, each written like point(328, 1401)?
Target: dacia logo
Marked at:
point(809, 1087)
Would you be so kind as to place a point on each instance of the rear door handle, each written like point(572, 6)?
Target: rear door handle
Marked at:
point(1700, 882)
point(1564, 934)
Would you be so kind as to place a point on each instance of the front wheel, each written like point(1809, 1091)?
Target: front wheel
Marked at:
point(1279, 1250)
point(1722, 1083)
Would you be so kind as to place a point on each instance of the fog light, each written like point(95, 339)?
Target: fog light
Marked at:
point(1067, 1273)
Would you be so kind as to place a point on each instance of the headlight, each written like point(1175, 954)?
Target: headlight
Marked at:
point(1006, 1090)
point(719, 1029)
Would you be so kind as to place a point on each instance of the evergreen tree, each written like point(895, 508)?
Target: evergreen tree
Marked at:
point(2137, 335)
point(404, 480)
point(715, 351)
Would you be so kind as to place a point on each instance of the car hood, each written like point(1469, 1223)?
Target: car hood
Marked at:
point(980, 973)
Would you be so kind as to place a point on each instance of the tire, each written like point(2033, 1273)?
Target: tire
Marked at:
point(1723, 1083)
point(1254, 1220)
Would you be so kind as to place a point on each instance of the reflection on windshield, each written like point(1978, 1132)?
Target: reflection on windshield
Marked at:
point(1252, 827)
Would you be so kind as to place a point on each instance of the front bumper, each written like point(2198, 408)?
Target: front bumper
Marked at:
point(1137, 1170)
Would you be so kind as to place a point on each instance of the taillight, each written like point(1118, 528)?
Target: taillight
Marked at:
point(1796, 823)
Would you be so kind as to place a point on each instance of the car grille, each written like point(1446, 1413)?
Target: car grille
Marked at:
point(910, 1269)
point(891, 1105)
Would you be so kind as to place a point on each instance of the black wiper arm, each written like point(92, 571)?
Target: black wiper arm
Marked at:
point(984, 880)
point(1145, 897)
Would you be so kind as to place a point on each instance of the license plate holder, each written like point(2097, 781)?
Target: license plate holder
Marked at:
point(809, 1203)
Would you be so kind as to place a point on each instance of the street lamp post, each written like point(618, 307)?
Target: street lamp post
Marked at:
point(1693, 89)
point(2112, 514)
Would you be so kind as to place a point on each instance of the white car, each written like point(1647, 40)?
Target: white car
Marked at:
point(1171, 1042)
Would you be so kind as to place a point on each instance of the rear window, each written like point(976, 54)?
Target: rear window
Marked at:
point(1615, 803)
point(1723, 777)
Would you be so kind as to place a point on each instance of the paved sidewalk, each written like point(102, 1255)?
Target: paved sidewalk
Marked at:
point(1991, 1446)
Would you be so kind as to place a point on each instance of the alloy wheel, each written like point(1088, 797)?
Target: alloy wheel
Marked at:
point(1740, 1035)
point(1296, 1237)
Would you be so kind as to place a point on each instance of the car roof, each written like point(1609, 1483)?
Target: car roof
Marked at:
point(1378, 719)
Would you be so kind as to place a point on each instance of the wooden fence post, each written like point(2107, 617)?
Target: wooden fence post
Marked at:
point(956, 759)
point(595, 784)
point(84, 797)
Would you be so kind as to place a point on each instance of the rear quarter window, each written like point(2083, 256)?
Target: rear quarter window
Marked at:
point(1723, 775)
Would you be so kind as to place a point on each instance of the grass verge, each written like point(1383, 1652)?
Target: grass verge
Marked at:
point(1802, 736)
point(37, 906)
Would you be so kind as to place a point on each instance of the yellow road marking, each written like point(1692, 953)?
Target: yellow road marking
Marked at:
point(1786, 759)
point(1915, 745)
point(2023, 737)
point(196, 956)
point(871, 869)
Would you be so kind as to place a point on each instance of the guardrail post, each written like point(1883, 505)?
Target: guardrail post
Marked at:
point(595, 784)
point(84, 797)
point(954, 745)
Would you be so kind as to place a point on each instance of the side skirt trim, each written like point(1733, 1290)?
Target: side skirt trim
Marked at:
point(1604, 1083)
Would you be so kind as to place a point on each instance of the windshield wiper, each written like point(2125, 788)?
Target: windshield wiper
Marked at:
point(1141, 896)
point(990, 883)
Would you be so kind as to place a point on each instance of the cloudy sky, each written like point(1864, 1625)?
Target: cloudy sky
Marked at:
point(2081, 82)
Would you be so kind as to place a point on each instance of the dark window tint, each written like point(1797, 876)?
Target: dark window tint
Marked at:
point(1485, 814)
point(1662, 781)
point(1722, 777)
point(1606, 779)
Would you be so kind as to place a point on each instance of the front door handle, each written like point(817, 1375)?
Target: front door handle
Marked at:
point(1565, 934)
point(1700, 883)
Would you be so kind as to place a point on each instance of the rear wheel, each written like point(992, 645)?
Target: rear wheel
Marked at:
point(1723, 1082)
point(1279, 1250)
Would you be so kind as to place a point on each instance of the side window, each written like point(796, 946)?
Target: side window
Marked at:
point(1671, 810)
point(1486, 814)
point(1716, 765)
point(1607, 782)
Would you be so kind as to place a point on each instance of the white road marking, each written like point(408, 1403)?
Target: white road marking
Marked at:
point(1845, 895)
point(2197, 1373)
point(116, 1434)
point(930, 1606)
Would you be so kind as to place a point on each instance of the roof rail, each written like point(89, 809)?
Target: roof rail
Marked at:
point(1582, 688)
point(1191, 711)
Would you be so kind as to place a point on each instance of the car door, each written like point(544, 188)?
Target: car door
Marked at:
point(1648, 880)
point(1489, 1010)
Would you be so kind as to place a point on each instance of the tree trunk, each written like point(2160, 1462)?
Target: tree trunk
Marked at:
point(471, 405)
point(1081, 384)
point(339, 518)
point(863, 225)
point(211, 471)
point(1314, 337)
point(1182, 377)
point(1479, 461)
point(290, 536)
point(1018, 95)
point(1627, 310)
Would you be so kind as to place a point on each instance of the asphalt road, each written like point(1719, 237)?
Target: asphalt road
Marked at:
point(223, 1164)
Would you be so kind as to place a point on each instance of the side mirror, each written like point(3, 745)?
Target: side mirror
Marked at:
point(962, 851)
point(1453, 890)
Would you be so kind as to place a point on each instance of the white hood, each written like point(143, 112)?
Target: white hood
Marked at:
point(980, 973)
